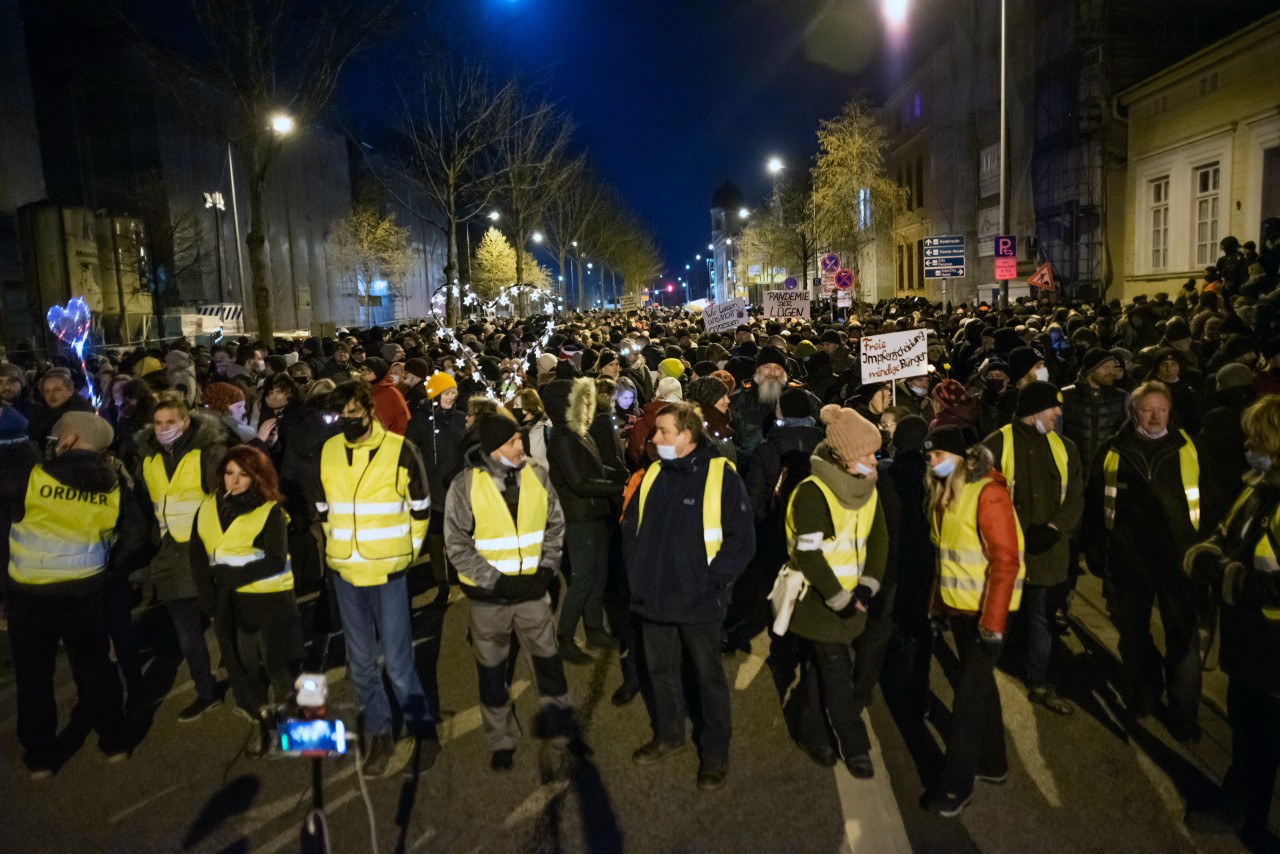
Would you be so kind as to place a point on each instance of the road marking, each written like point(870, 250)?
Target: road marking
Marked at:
point(872, 819)
point(142, 803)
point(531, 806)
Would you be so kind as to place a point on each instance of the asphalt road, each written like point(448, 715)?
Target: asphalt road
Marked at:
point(1089, 782)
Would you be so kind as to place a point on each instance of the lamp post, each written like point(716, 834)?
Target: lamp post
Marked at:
point(214, 200)
point(1004, 145)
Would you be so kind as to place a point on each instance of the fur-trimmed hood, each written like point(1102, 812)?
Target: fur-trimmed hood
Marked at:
point(205, 432)
point(582, 405)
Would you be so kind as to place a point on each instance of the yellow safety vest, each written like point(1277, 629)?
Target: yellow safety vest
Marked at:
point(511, 546)
point(1188, 464)
point(846, 551)
point(368, 532)
point(175, 500)
point(962, 560)
point(1056, 446)
point(65, 534)
point(712, 532)
point(1264, 555)
point(234, 546)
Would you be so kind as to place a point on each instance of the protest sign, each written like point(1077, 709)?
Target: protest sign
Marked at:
point(895, 355)
point(786, 303)
point(724, 316)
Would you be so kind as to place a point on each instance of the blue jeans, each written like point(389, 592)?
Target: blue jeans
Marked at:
point(1037, 607)
point(370, 614)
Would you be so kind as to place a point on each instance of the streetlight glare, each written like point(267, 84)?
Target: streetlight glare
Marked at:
point(697, 257)
point(574, 244)
point(282, 123)
point(775, 164)
point(895, 13)
point(686, 266)
point(711, 247)
point(743, 213)
point(537, 236)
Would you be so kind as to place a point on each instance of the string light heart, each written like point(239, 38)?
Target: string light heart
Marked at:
point(71, 325)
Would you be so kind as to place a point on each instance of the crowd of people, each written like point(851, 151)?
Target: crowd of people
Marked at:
point(625, 483)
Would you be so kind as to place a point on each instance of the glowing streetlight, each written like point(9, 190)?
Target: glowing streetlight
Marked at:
point(589, 265)
point(494, 216)
point(895, 13)
point(728, 241)
point(743, 213)
point(536, 237)
point(686, 266)
point(574, 244)
point(282, 123)
point(775, 165)
point(697, 257)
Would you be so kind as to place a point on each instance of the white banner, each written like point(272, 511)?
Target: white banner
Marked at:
point(844, 299)
point(786, 303)
point(724, 316)
point(895, 355)
point(629, 302)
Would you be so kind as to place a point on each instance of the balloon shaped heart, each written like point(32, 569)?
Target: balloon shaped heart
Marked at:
point(71, 323)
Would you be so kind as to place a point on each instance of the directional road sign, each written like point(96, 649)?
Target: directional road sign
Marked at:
point(844, 279)
point(944, 257)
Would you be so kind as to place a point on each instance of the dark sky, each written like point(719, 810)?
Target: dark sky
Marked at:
point(670, 97)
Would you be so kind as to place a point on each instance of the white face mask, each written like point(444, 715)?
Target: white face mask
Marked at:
point(1041, 373)
point(1160, 435)
point(1042, 428)
point(917, 390)
point(666, 452)
point(944, 468)
point(863, 469)
point(167, 437)
point(506, 462)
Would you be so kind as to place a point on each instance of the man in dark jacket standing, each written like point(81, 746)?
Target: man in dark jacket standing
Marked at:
point(1046, 480)
point(687, 536)
point(76, 524)
point(585, 488)
point(1142, 512)
point(1094, 408)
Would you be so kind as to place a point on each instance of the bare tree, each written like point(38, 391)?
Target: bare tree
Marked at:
point(570, 215)
point(281, 56)
point(450, 120)
point(171, 248)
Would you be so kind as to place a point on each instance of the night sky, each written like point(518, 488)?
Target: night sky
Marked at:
point(670, 97)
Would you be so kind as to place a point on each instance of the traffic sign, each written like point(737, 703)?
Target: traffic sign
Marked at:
point(844, 279)
point(1043, 277)
point(1006, 268)
point(1006, 246)
point(790, 283)
point(829, 263)
point(944, 257)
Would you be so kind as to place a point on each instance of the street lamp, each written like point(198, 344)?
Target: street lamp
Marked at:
point(494, 216)
point(743, 213)
point(282, 124)
point(895, 14)
point(775, 165)
point(536, 237)
point(214, 200)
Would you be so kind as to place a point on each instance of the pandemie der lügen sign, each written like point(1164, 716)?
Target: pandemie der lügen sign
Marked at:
point(895, 356)
point(786, 303)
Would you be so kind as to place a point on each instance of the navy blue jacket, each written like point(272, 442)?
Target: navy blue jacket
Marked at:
point(670, 579)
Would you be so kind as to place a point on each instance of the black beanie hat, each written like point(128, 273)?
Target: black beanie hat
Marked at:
point(794, 403)
point(1037, 397)
point(946, 439)
point(1093, 357)
point(378, 366)
point(910, 433)
point(1022, 360)
point(740, 368)
point(608, 357)
point(770, 356)
point(494, 431)
point(705, 391)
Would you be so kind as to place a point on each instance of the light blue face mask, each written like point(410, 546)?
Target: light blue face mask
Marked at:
point(1258, 461)
point(945, 467)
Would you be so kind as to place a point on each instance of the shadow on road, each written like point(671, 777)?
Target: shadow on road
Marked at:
point(231, 800)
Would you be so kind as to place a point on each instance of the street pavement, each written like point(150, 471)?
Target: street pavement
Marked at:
point(1093, 781)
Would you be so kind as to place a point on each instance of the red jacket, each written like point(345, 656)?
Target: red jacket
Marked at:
point(389, 406)
point(998, 528)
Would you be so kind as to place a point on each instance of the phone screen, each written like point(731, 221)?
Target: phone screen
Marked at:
point(313, 737)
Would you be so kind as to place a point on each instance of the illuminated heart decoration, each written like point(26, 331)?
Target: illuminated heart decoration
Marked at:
point(70, 324)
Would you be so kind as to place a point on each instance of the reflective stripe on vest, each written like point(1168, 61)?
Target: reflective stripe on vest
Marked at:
point(368, 534)
point(1264, 555)
point(962, 560)
point(1188, 466)
point(511, 546)
point(234, 546)
point(65, 534)
point(175, 501)
point(712, 532)
point(846, 552)
point(1056, 446)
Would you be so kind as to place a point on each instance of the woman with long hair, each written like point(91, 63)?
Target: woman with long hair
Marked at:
point(979, 581)
point(240, 555)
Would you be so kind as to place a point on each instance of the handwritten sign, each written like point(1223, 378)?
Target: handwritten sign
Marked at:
point(786, 303)
point(895, 355)
point(724, 316)
point(629, 302)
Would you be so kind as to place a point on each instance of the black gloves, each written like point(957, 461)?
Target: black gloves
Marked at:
point(860, 595)
point(1038, 539)
point(524, 588)
point(991, 642)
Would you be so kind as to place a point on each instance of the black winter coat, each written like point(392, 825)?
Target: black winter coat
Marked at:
point(1091, 416)
point(438, 433)
point(667, 569)
point(302, 433)
point(1222, 460)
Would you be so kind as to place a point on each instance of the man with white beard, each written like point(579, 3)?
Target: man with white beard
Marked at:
point(753, 410)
